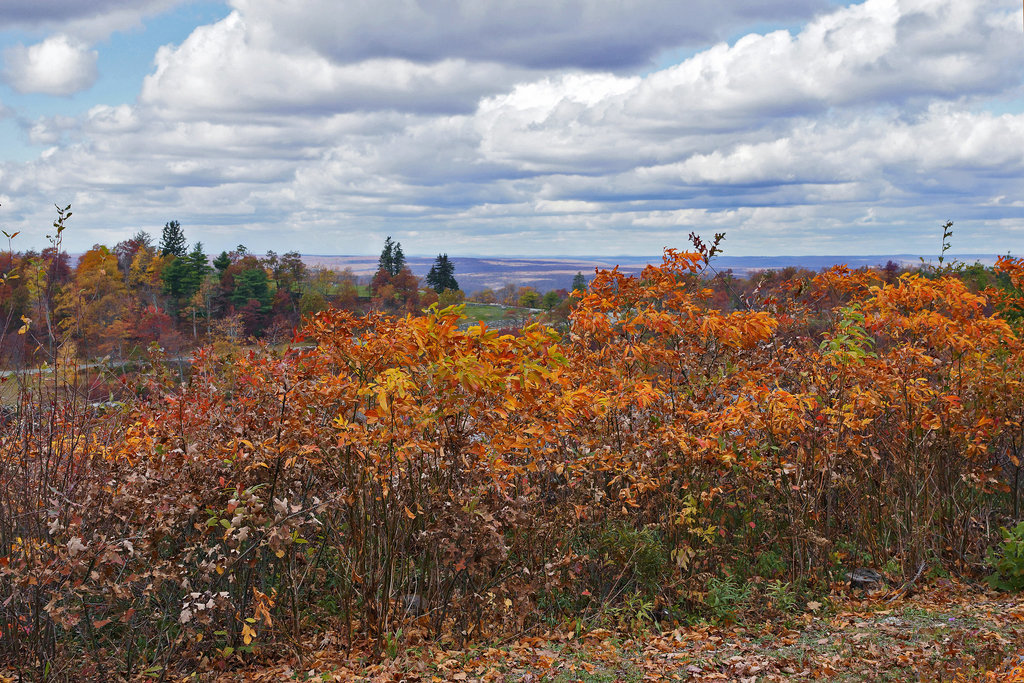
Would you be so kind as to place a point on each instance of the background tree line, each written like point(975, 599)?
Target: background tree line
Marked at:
point(114, 301)
point(117, 301)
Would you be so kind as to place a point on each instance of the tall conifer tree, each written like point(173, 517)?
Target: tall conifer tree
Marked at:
point(397, 260)
point(387, 256)
point(442, 274)
point(172, 241)
point(579, 282)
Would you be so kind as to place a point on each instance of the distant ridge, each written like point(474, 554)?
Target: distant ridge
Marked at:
point(741, 265)
point(556, 272)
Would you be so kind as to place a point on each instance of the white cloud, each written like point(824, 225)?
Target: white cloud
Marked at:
point(881, 53)
point(220, 68)
point(440, 56)
point(106, 119)
point(59, 65)
point(51, 130)
point(871, 115)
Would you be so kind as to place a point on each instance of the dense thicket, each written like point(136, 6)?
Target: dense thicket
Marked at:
point(395, 470)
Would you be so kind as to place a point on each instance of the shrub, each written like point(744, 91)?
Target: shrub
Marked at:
point(419, 471)
point(1008, 560)
point(629, 560)
point(726, 596)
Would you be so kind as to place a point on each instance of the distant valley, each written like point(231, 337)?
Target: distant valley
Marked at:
point(546, 273)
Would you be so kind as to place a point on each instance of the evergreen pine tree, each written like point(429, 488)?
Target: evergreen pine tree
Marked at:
point(397, 259)
point(442, 274)
point(579, 282)
point(197, 268)
point(172, 241)
point(175, 277)
point(252, 285)
point(222, 262)
point(273, 266)
point(184, 275)
point(386, 262)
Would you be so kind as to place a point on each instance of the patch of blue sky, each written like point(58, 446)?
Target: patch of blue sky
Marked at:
point(14, 142)
point(1005, 104)
point(672, 57)
point(127, 58)
point(124, 60)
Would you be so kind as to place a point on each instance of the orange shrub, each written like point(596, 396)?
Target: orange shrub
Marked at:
point(396, 471)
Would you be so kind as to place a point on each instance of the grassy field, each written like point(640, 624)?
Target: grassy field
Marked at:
point(493, 315)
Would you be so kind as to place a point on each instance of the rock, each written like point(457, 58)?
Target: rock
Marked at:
point(864, 579)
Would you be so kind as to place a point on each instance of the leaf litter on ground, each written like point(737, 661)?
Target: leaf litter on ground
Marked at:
point(948, 631)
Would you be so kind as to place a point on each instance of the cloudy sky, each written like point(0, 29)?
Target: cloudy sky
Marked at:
point(517, 127)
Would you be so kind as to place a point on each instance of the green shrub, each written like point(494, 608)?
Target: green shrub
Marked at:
point(635, 615)
point(633, 559)
point(770, 564)
point(726, 596)
point(1008, 560)
point(782, 594)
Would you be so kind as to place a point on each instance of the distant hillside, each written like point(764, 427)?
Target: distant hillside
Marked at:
point(475, 274)
point(741, 265)
point(545, 273)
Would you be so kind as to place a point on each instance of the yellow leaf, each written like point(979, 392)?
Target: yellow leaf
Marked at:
point(410, 514)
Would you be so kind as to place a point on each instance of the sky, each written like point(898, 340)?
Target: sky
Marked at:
point(516, 127)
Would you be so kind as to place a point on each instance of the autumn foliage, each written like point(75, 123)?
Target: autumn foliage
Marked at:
point(384, 472)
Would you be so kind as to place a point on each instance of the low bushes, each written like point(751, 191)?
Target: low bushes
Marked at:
point(402, 473)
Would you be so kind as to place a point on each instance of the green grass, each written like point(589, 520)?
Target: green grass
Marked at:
point(493, 315)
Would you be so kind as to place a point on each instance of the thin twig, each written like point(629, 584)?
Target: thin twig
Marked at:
point(908, 585)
